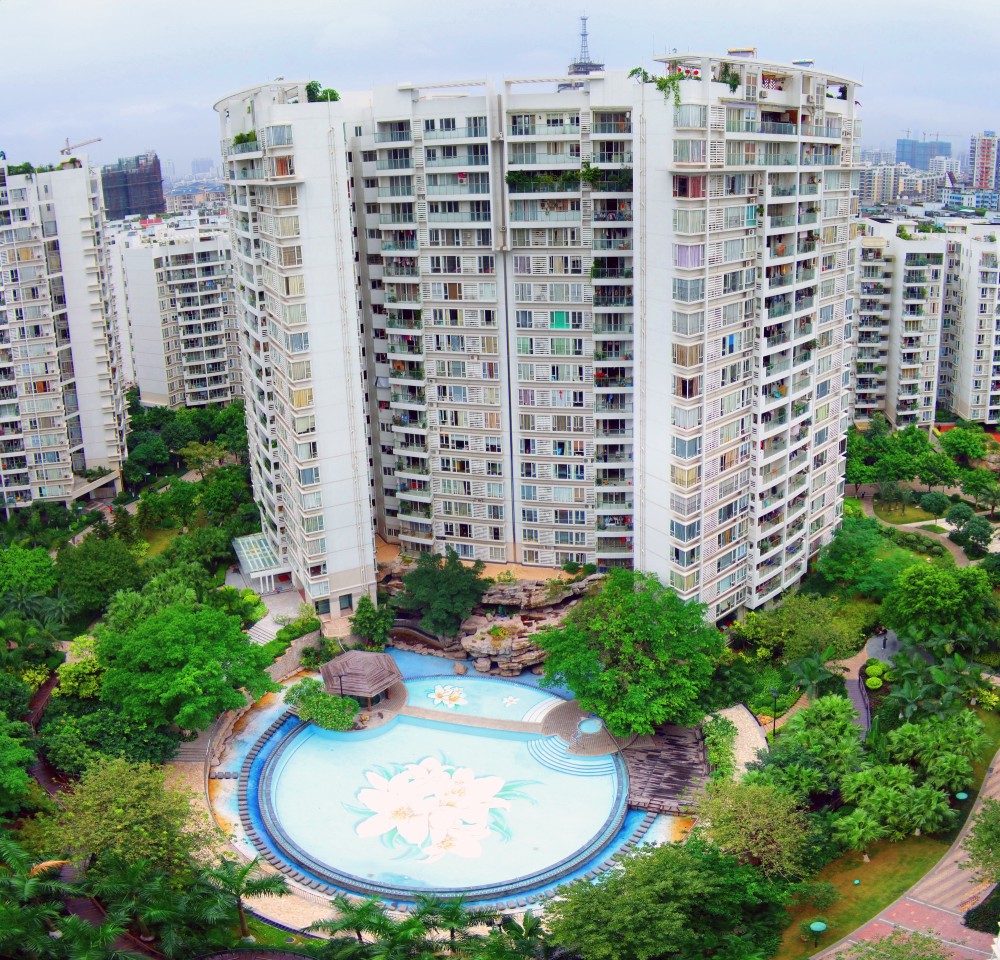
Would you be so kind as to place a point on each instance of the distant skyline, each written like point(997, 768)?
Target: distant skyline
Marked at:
point(145, 75)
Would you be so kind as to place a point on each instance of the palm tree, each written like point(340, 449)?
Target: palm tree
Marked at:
point(135, 891)
point(929, 810)
point(241, 881)
point(858, 831)
point(80, 940)
point(453, 915)
point(811, 671)
point(369, 916)
point(909, 696)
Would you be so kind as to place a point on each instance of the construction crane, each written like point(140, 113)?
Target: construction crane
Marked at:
point(70, 147)
point(938, 136)
point(907, 131)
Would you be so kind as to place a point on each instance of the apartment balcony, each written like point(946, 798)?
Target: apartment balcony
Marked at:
point(394, 163)
point(412, 468)
point(394, 136)
point(607, 242)
point(413, 347)
point(403, 323)
point(613, 212)
point(414, 398)
point(409, 420)
point(404, 371)
point(613, 126)
point(459, 160)
point(544, 130)
point(415, 510)
point(614, 524)
point(460, 216)
point(468, 132)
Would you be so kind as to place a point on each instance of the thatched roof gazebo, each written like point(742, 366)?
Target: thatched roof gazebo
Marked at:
point(362, 674)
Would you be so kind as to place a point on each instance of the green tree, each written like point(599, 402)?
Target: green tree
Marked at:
point(858, 830)
point(92, 572)
point(452, 914)
point(15, 695)
point(239, 881)
point(128, 811)
point(982, 843)
point(686, 902)
point(182, 666)
point(807, 625)
point(936, 504)
point(851, 550)
point(926, 596)
point(959, 513)
point(315, 91)
point(150, 454)
point(324, 709)
point(182, 501)
point(810, 672)
point(443, 590)
point(758, 824)
point(634, 653)
point(978, 532)
point(371, 622)
point(24, 569)
point(202, 457)
point(16, 756)
point(964, 444)
point(978, 484)
point(936, 470)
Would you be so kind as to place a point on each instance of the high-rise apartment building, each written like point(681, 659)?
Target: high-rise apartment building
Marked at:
point(878, 156)
point(919, 153)
point(174, 290)
point(589, 325)
point(878, 184)
point(133, 187)
point(62, 410)
point(928, 326)
point(984, 157)
point(945, 165)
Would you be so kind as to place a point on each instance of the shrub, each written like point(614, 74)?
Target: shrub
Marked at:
point(276, 648)
point(873, 683)
point(34, 676)
point(571, 567)
point(990, 659)
point(988, 698)
point(297, 628)
point(720, 735)
point(312, 657)
point(955, 497)
point(820, 894)
point(986, 916)
point(936, 550)
point(588, 569)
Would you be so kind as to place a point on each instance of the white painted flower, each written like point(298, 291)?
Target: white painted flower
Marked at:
point(447, 696)
point(433, 806)
point(460, 841)
point(509, 701)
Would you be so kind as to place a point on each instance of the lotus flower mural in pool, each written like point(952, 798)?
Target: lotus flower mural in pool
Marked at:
point(432, 808)
point(445, 695)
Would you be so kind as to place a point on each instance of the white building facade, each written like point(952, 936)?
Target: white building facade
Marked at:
point(590, 326)
point(62, 409)
point(174, 295)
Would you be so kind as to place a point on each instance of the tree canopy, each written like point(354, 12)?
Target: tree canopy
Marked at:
point(183, 666)
point(982, 842)
point(634, 653)
point(443, 590)
point(686, 901)
point(129, 811)
point(25, 569)
point(926, 597)
point(92, 572)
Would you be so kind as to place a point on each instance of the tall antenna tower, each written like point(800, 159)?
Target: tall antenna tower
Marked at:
point(583, 65)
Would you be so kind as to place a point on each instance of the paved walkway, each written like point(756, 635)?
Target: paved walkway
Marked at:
point(936, 903)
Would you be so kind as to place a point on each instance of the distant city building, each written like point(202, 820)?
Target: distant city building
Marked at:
point(969, 199)
point(919, 153)
point(202, 166)
point(918, 185)
point(62, 406)
point(983, 160)
point(878, 156)
point(878, 184)
point(188, 197)
point(174, 293)
point(133, 186)
point(945, 165)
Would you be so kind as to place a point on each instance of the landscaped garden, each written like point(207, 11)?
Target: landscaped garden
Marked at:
point(159, 650)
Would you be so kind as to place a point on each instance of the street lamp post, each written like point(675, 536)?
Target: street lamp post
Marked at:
point(817, 927)
point(774, 712)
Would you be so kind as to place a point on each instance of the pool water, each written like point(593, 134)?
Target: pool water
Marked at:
point(479, 697)
point(417, 805)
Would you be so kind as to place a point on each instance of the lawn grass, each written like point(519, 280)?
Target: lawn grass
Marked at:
point(894, 868)
point(159, 540)
point(269, 936)
point(896, 514)
point(934, 528)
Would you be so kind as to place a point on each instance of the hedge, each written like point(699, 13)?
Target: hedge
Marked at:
point(986, 916)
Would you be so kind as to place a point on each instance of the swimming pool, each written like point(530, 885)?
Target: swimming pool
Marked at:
point(480, 697)
point(419, 806)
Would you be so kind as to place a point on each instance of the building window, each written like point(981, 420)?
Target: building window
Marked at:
point(346, 602)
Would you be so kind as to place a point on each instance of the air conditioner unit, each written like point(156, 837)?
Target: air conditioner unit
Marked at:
point(762, 95)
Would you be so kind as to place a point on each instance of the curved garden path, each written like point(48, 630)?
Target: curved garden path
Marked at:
point(961, 560)
point(935, 903)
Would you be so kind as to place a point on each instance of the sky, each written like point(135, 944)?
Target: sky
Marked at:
point(144, 74)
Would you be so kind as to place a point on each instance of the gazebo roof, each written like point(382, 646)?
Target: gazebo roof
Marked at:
point(363, 673)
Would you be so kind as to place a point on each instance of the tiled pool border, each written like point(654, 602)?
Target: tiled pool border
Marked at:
point(510, 895)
